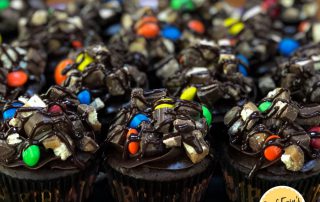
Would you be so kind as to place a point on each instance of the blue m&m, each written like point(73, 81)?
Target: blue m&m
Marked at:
point(9, 113)
point(241, 67)
point(171, 32)
point(137, 120)
point(84, 97)
point(287, 46)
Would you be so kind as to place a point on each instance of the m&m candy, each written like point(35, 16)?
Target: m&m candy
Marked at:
point(133, 146)
point(17, 78)
point(31, 155)
point(137, 120)
point(58, 76)
point(84, 97)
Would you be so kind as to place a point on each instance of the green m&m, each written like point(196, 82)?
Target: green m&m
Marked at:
point(264, 106)
point(4, 4)
point(182, 5)
point(207, 114)
point(31, 155)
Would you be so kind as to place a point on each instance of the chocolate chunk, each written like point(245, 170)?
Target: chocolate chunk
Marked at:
point(232, 115)
point(210, 94)
point(94, 79)
point(117, 83)
point(163, 119)
point(38, 126)
point(183, 126)
point(256, 141)
point(7, 152)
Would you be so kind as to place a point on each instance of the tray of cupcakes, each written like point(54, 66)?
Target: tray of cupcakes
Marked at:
point(159, 100)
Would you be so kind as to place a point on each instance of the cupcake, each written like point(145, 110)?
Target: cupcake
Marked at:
point(273, 143)
point(48, 147)
point(21, 71)
point(211, 75)
point(158, 149)
point(299, 74)
point(100, 77)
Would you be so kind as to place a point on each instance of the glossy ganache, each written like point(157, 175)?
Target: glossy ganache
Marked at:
point(159, 131)
point(277, 136)
point(51, 131)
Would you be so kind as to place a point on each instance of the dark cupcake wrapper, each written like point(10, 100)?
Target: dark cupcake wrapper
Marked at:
point(240, 188)
point(75, 186)
point(191, 189)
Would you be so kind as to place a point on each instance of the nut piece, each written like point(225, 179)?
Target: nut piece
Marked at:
point(256, 141)
point(87, 144)
point(59, 148)
point(172, 141)
point(92, 116)
point(13, 139)
point(293, 158)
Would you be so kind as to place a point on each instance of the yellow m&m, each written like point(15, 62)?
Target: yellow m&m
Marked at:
point(84, 60)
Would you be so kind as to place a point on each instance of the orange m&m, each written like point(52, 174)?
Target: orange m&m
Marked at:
point(272, 152)
point(58, 76)
point(148, 30)
point(17, 78)
point(197, 26)
point(133, 147)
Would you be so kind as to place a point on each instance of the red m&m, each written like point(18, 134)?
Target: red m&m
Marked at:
point(17, 78)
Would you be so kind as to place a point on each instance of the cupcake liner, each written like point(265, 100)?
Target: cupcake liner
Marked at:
point(126, 188)
point(17, 185)
point(240, 188)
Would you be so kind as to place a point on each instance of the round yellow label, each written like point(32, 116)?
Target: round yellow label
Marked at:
point(282, 194)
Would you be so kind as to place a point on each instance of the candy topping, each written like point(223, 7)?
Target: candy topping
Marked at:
point(58, 76)
point(17, 78)
point(31, 155)
point(84, 97)
point(84, 59)
point(207, 114)
point(264, 106)
point(189, 93)
point(137, 120)
point(133, 147)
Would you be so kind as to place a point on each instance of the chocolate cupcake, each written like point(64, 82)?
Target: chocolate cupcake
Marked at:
point(48, 147)
point(158, 149)
point(299, 74)
point(272, 143)
point(21, 72)
point(58, 31)
point(101, 78)
point(208, 74)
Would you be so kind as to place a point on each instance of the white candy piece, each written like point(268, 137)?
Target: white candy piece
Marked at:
point(13, 139)
point(97, 104)
point(35, 101)
point(172, 142)
point(15, 122)
point(62, 151)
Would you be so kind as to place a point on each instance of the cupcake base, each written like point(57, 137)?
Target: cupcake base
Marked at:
point(18, 184)
point(240, 188)
point(150, 184)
